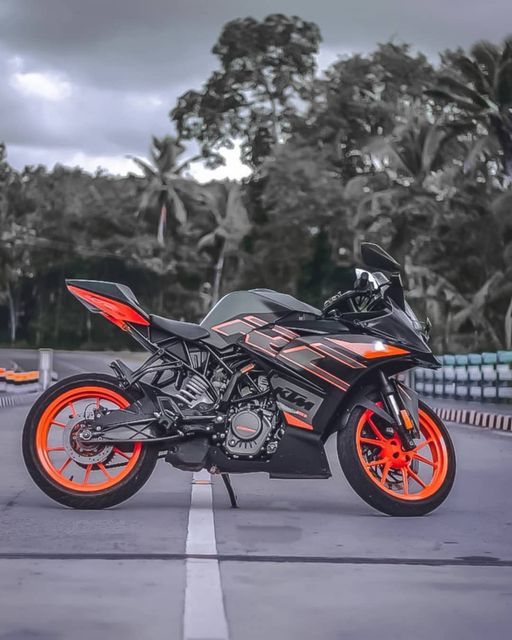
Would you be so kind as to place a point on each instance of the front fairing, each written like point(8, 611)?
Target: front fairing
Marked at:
point(396, 326)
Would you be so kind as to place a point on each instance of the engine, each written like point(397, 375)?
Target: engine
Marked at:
point(247, 432)
point(251, 426)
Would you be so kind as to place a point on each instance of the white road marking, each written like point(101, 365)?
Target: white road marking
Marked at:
point(204, 615)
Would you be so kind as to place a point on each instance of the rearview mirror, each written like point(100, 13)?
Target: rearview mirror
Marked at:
point(362, 274)
point(376, 258)
point(376, 279)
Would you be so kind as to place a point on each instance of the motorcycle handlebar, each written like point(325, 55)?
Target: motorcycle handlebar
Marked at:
point(335, 301)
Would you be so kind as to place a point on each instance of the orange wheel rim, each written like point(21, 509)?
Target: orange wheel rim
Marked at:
point(53, 452)
point(406, 475)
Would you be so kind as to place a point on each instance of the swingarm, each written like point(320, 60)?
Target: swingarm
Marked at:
point(142, 422)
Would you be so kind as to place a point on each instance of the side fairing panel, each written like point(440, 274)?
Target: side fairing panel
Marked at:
point(326, 361)
point(299, 403)
point(312, 372)
point(335, 361)
point(234, 330)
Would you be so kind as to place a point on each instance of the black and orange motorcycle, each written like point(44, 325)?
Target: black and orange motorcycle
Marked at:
point(259, 385)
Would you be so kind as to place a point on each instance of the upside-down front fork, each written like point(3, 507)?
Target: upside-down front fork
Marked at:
point(405, 423)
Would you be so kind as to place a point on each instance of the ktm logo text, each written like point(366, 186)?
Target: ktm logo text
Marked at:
point(294, 398)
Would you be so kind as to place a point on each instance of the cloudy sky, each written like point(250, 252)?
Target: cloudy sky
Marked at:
point(86, 82)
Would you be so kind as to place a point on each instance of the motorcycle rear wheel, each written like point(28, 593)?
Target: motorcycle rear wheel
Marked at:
point(69, 472)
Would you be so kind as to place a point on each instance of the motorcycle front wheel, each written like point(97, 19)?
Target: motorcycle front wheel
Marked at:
point(394, 481)
point(69, 471)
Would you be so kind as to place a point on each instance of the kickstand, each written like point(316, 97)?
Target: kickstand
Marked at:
point(229, 488)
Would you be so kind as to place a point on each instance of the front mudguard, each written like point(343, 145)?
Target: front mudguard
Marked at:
point(368, 398)
point(410, 400)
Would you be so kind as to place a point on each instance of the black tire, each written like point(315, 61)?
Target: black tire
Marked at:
point(368, 490)
point(125, 488)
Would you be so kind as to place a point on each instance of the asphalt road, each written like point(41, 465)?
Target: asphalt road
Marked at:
point(299, 559)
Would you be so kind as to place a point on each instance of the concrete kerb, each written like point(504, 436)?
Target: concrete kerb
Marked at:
point(472, 417)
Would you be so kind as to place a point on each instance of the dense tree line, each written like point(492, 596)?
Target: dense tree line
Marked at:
point(383, 147)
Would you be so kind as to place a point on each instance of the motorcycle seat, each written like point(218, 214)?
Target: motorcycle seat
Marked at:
point(185, 330)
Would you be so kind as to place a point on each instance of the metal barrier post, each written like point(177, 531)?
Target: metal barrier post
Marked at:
point(45, 368)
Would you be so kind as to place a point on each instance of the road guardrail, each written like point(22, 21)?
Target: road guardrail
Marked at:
point(479, 377)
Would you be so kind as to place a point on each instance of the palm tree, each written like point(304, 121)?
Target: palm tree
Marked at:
point(501, 208)
point(224, 201)
point(480, 87)
point(405, 191)
point(406, 206)
point(417, 147)
point(163, 180)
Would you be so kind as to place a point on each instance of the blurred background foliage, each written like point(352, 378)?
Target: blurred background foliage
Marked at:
point(383, 147)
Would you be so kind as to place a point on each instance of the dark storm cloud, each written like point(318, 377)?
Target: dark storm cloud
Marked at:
point(124, 62)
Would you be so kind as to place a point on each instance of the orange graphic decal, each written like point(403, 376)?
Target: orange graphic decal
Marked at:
point(258, 322)
point(375, 349)
point(303, 357)
point(232, 327)
point(297, 422)
point(337, 355)
point(264, 342)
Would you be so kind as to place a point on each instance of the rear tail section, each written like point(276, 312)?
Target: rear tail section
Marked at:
point(115, 302)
